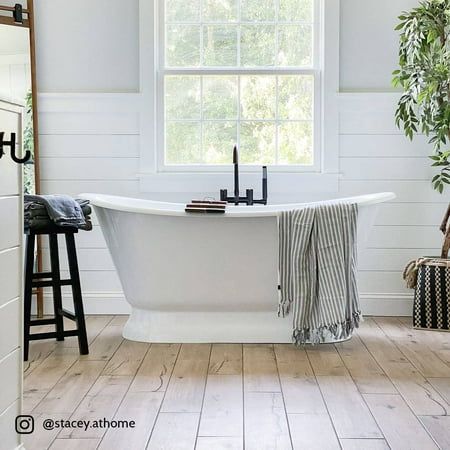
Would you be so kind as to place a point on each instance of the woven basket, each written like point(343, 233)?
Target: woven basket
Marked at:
point(430, 277)
point(432, 295)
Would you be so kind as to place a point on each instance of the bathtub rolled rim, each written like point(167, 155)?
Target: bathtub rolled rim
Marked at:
point(144, 206)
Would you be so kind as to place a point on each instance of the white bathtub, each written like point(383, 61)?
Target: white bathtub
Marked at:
point(202, 278)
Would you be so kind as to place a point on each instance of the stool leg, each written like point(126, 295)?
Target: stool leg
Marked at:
point(76, 292)
point(56, 278)
point(29, 268)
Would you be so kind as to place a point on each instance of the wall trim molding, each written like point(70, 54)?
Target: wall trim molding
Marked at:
point(18, 58)
point(52, 98)
point(367, 101)
point(95, 303)
point(386, 304)
point(89, 102)
point(372, 304)
point(208, 182)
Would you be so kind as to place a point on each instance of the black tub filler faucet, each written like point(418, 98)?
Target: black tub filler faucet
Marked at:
point(248, 199)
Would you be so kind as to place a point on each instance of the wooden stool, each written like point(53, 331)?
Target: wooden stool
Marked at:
point(53, 279)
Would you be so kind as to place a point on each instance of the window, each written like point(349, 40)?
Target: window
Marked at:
point(243, 72)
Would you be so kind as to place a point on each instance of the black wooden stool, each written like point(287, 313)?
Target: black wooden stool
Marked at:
point(53, 279)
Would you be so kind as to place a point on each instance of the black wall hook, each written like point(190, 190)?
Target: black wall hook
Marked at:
point(12, 145)
point(18, 13)
point(2, 134)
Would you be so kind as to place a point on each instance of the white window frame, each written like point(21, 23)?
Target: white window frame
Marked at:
point(155, 176)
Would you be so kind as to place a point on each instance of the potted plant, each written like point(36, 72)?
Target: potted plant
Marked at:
point(424, 75)
point(424, 107)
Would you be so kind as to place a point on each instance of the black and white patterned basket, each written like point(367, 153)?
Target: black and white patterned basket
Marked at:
point(432, 294)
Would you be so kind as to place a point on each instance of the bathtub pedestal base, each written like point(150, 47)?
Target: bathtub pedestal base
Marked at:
point(208, 327)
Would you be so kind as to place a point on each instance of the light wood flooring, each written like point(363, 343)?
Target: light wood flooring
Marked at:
point(389, 387)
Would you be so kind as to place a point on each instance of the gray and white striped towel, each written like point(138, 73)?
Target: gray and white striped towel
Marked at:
point(317, 265)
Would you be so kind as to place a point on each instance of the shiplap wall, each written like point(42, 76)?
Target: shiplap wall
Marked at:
point(90, 143)
point(374, 157)
point(10, 285)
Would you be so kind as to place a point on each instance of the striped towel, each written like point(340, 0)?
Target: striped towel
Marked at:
point(318, 252)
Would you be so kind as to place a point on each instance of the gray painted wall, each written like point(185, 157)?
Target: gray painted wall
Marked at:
point(86, 46)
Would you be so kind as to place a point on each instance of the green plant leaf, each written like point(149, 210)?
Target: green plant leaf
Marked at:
point(424, 75)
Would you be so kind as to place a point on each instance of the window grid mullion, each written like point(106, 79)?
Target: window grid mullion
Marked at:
point(201, 119)
point(202, 58)
point(273, 121)
point(277, 33)
point(240, 71)
point(239, 33)
point(238, 22)
point(277, 62)
point(202, 53)
point(277, 122)
point(238, 137)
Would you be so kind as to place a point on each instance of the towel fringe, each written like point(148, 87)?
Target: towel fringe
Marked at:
point(283, 309)
point(338, 331)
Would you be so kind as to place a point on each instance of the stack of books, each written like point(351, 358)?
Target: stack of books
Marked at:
point(206, 207)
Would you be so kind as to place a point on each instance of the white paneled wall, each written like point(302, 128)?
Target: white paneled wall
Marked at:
point(10, 285)
point(369, 43)
point(86, 46)
point(375, 156)
point(90, 143)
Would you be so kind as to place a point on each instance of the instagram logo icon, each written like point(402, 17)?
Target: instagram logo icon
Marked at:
point(24, 424)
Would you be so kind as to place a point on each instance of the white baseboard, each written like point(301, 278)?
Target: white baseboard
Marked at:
point(386, 304)
point(372, 304)
point(93, 302)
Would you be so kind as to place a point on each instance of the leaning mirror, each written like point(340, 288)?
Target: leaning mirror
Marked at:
point(18, 94)
point(16, 81)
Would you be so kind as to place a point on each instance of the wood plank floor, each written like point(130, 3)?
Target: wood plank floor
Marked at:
point(388, 387)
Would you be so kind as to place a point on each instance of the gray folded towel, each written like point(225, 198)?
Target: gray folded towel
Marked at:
point(33, 210)
point(40, 223)
point(63, 210)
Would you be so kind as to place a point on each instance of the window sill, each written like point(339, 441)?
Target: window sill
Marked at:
point(278, 183)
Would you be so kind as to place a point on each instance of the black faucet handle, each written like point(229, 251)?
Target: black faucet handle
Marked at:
point(264, 183)
point(249, 195)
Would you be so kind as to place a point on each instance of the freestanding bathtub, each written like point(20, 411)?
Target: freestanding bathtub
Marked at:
point(202, 278)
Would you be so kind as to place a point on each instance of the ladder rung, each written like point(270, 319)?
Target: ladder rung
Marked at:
point(69, 315)
point(37, 322)
point(51, 283)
